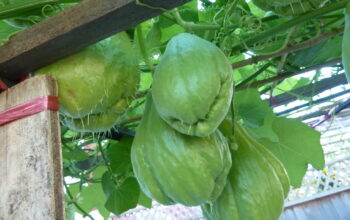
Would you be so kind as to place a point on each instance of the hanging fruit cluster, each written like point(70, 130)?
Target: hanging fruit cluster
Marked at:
point(180, 156)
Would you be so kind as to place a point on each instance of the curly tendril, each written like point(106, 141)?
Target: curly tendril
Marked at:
point(250, 22)
point(47, 9)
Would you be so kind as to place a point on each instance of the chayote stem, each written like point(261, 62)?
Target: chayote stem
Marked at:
point(143, 48)
point(190, 26)
point(85, 214)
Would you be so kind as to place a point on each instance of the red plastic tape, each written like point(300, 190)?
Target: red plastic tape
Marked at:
point(3, 86)
point(29, 108)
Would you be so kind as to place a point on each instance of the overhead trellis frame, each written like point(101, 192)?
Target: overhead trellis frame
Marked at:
point(73, 29)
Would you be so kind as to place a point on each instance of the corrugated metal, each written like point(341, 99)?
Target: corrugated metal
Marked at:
point(333, 205)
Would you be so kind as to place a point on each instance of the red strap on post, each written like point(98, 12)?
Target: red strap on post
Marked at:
point(3, 86)
point(29, 108)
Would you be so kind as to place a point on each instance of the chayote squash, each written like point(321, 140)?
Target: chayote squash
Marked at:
point(346, 43)
point(257, 184)
point(289, 7)
point(175, 168)
point(96, 84)
point(192, 85)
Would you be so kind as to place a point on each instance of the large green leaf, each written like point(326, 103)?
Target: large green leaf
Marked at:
point(6, 31)
point(294, 143)
point(290, 84)
point(298, 146)
point(265, 130)
point(319, 53)
point(91, 196)
point(119, 156)
point(144, 200)
point(249, 107)
point(112, 191)
point(122, 197)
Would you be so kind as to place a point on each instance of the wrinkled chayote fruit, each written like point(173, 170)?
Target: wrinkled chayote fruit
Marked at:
point(192, 85)
point(256, 187)
point(175, 168)
point(96, 84)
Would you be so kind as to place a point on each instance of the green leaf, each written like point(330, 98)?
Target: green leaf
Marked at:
point(123, 197)
point(6, 31)
point(242, 72)
point(107, 184)
point(319, 53)
point(189, 11)
point(119, 156)
point(153, 38)
point(298, 146)
point(169, 32)
point(144, 200)
point(72, 152)
point(69, 209)
point(146, 81)
point(290, 84)
point(264, 131)
point(249, 107)
point(294, 143)
point(91, 196)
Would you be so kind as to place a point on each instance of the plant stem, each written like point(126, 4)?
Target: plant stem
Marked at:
point(293, 22)
point(143, 48)
point(287, 75)
point(190, 26)
point(290, 49)
point(75, 203)
point(253, 76)
point(106, 163)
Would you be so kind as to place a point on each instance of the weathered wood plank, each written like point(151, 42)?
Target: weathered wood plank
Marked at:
point(72, 30)
point(332, 205)
point(30, 157)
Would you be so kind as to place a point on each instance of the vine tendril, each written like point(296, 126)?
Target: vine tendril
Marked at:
point(138, 2)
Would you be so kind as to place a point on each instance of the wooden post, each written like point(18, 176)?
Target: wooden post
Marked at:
point(30, 157)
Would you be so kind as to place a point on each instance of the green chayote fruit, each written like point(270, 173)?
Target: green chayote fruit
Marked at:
point(346, 43)
point(192, 85)
point(96, 84)
point(175, 168)
point(257, 184)
point(289, 7)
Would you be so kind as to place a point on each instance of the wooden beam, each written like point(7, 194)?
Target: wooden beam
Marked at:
point(72, 30)
point(30, 156)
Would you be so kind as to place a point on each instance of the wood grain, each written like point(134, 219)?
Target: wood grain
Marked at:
point(72, 30)
point(30, 157)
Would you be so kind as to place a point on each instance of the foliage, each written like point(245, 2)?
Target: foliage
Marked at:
point(346, 43)
point(261, 41)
